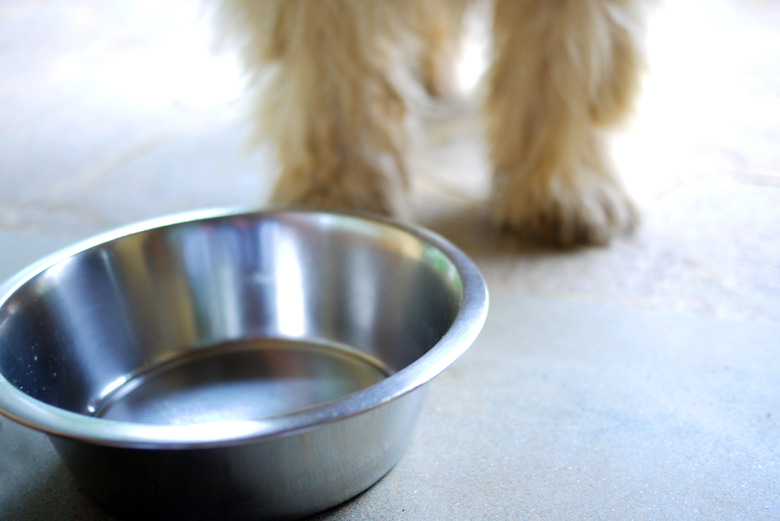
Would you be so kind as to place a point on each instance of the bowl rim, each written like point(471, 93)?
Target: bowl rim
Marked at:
point(54, 421)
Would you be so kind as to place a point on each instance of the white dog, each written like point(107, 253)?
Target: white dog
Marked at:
point(563, 72)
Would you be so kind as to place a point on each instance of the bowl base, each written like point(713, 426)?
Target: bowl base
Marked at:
point(240, 381)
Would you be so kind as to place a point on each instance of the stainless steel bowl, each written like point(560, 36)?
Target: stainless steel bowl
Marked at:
point(219, 365)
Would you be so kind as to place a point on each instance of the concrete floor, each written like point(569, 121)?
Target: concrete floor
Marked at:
point(115, 112)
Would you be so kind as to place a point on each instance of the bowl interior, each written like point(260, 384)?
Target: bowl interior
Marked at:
point(231, 318)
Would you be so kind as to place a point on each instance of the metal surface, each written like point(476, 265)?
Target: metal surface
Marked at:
point(215, 365)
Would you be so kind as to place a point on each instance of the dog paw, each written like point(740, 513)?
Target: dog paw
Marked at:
point(565, 213)
point(354, 185)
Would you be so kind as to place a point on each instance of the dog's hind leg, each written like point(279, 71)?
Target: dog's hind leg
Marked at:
point(564, 71)
point(439, 35)
point(325, 98)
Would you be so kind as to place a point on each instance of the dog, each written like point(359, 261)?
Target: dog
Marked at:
point(562, 74)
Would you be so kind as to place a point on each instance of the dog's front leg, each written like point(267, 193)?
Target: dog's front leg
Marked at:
point(324, 99)
point(564, 72)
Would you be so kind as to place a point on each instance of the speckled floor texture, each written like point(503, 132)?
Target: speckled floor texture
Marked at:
point(637, 380)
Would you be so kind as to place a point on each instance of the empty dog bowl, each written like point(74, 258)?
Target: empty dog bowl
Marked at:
point(219, 365)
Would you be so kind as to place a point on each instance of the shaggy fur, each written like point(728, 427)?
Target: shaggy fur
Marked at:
point(563, 73)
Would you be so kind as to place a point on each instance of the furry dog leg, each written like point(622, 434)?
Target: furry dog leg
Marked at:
point(439, 34)
point(328, 103)
point(564, 71)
